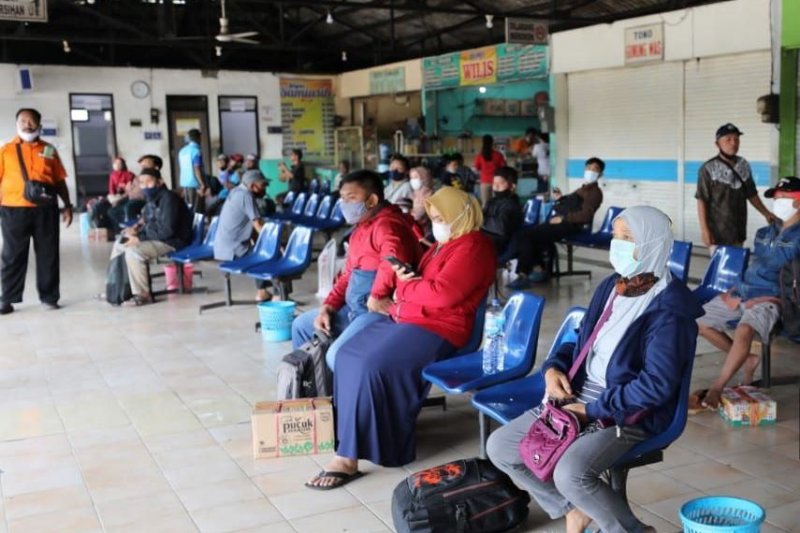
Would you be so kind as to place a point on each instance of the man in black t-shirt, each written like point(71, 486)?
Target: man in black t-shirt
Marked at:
point(724, 186)
point(296, 175)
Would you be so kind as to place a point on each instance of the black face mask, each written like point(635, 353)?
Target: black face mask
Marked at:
point(502, 194)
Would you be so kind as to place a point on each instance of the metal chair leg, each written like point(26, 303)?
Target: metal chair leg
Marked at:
point(484, 425)
point(766, 361)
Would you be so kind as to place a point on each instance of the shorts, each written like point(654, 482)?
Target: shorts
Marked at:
point(762, 317)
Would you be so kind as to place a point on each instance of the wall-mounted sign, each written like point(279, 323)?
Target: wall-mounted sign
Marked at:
point(478, 67)
point(511, 62)
point(307, 112)
point(644, 44)
point(49, 128)
point(525, 31)
point(24, 10)
point(392, 80)
point(152, 136)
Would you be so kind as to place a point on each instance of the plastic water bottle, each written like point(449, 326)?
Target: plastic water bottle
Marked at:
point(494, 339)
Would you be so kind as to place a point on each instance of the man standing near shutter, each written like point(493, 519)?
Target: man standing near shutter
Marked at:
point(724, 186)
point(27, 157)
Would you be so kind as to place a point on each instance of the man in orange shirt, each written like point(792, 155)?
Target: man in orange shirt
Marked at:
point(523, 146)
point(28, 158)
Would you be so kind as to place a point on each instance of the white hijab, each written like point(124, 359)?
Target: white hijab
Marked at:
point(652, 233)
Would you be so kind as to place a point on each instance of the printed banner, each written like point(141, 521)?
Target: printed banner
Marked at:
point(509, 62)
point(307, 114)
point(478, 67)
point(391, 80)
point(24, 10)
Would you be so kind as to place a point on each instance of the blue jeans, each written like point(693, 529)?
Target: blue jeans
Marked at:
point(341, 329)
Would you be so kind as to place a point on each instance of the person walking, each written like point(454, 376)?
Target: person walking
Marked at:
point(32, 179)
point(190, 161)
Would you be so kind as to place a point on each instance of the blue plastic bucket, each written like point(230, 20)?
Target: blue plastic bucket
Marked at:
point(721, 514)
point(85, 224)
point(276, 320)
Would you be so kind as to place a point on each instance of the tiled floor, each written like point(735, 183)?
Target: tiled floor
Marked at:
point(138, 420)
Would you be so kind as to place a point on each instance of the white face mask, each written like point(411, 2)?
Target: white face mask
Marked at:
point(29, 137)
point(590, 176)
point(441, 232)
point(784, 208)
point(416, 183)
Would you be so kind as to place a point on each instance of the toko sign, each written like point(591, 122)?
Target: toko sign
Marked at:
point(24, 10)
point(644, 44)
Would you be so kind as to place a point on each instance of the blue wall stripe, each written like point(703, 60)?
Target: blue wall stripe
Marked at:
point(659, 170)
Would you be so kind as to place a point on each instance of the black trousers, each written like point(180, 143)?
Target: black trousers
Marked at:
point(529, 244)
point(19, 225)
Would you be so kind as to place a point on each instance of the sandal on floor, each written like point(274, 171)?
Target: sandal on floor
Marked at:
point(136, 302)
point(341, 478)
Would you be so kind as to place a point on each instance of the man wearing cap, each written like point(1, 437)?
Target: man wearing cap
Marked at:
point(28, 158)
point(755, 300)
point(165, 226)
point(237, 222)
point(724, 185)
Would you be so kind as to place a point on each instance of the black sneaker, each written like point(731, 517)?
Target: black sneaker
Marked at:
point(6, 309)
point(47, 306)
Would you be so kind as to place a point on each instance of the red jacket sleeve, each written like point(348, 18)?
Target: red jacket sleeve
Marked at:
point(336, 297)
point(111, 184)
point(465, 269)
point(501, 161)
point(392, 237)
point(478, 162)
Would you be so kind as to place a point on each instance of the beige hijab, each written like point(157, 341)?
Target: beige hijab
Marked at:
point(459, 209)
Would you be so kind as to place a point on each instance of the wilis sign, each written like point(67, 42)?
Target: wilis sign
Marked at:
point(479, 67)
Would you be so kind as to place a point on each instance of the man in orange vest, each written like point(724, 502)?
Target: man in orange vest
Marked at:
point(32, 179)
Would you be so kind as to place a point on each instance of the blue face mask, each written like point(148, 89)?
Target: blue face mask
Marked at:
point(149, 193)
point(353, 212)
point(621, 256)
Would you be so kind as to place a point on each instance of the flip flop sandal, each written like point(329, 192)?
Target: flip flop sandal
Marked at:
point(341, 478)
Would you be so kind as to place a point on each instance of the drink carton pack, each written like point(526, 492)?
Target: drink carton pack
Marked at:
point(747, 406)
point(292, 427)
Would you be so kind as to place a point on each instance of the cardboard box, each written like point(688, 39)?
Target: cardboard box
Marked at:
point(292, 427)
point(528, 108)
point(512, 108)
point(748, 406)
point(494, 107)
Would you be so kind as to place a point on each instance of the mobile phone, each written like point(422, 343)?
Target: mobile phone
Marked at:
point(395, 261)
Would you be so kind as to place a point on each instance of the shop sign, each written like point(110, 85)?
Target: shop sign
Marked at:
point(24, 10)
point(508, 63)
point(478, 67)
point(307, 112)
point(644, 44)
point(526, 31)
point(385, 81)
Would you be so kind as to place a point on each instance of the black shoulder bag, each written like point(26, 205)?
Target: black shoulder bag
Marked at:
point(35, 191)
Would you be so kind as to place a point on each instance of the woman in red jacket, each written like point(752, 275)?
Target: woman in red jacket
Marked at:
point(378, 386)
point(486, 163)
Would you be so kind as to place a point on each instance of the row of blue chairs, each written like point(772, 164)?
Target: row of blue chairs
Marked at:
point(505, 395)
point(265, 261)
point(315, 211)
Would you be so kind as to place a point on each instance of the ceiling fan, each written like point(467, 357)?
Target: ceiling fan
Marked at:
point(225, 37)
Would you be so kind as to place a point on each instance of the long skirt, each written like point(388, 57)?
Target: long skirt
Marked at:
point(378, 390)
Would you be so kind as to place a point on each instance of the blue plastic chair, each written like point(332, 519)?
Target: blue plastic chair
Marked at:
point(291, 265)
point(326, 187)
point(507, 401)
point(313, 186)
point(725, 269)
point(298, 206)
point(318, 215)
point(197, 252)
point(288, 200)
point(679, 258)
point(530, 212)
point(267, 248)
point(600, 239)
point(333, 222)
point(523, 316)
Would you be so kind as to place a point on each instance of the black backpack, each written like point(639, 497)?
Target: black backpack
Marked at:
point(118, 286)
point(465, 496)
point(304, 373)
point(790, 297)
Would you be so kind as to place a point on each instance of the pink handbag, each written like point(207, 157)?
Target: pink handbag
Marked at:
point(556, 429)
